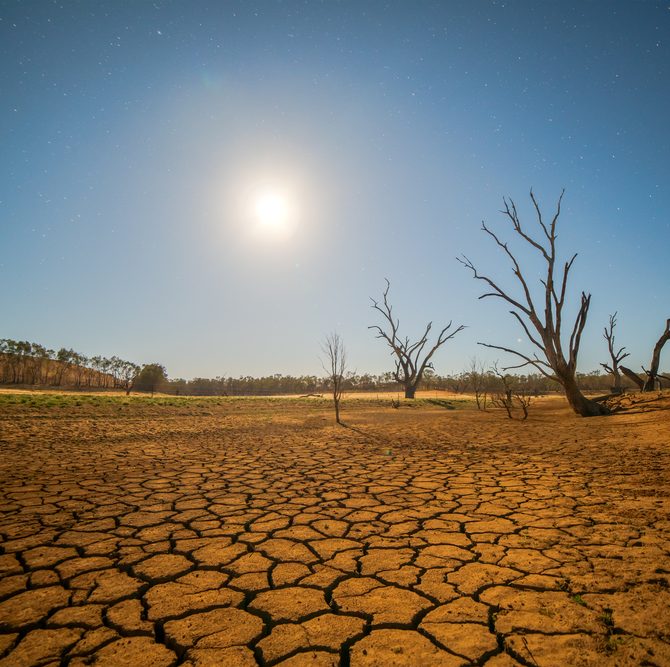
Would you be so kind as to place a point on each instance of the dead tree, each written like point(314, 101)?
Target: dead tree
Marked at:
point(335, 365)
point(502, 399)
point(510, 395)
point(409, 365)
point(558, 363)
point(652, 374)
point(479, 381)
point(617, 356)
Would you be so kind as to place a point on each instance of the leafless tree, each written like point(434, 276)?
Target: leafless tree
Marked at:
point(479, 380)
point(547, 321)
point(503, 398)
point(652, 374)
point(410, 364)
point(617, 356)
point(523, 399)
point(335, 365)
point(511, 396)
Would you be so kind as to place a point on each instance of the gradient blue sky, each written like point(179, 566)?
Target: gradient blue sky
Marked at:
point(132, 132)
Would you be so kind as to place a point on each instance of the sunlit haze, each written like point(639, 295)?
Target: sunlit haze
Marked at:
point(217, 186)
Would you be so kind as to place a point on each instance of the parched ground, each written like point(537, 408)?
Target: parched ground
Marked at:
point(256, 532)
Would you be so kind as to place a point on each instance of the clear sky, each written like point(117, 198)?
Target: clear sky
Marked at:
point(217, 185)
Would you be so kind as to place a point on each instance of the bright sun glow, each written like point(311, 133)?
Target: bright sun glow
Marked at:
point(271, 210)
point(274, 214)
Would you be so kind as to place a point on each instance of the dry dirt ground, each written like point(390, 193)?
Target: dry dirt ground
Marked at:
point(256, 532)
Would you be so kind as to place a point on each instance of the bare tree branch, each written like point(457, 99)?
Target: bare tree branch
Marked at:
point(530, 336)
point(536, 363)
point(497, 290)
point(576, 336)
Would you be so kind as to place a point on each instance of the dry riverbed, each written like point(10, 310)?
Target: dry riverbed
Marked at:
point(231, 531)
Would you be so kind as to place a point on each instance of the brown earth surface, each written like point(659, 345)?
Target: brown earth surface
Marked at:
point(256, 532)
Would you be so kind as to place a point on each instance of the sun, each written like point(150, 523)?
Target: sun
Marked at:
point(271, 209)
point(274, 213)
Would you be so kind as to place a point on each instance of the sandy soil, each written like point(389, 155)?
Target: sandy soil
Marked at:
point(256, 532)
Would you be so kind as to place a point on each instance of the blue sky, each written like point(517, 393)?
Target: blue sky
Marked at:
point(135, 136)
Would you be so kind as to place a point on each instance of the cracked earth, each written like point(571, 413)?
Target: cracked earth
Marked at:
point(255, 532)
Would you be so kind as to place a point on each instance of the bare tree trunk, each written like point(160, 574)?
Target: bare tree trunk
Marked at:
point(524, 403)
point(410, 391)
point(633, 377)
point(507, 404)
point(652, 373)
point(583, 406)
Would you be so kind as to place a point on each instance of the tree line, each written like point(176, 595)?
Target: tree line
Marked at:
point(463, 382)
point(26, 363)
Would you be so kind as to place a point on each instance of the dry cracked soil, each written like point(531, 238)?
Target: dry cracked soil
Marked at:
point(256, 532)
